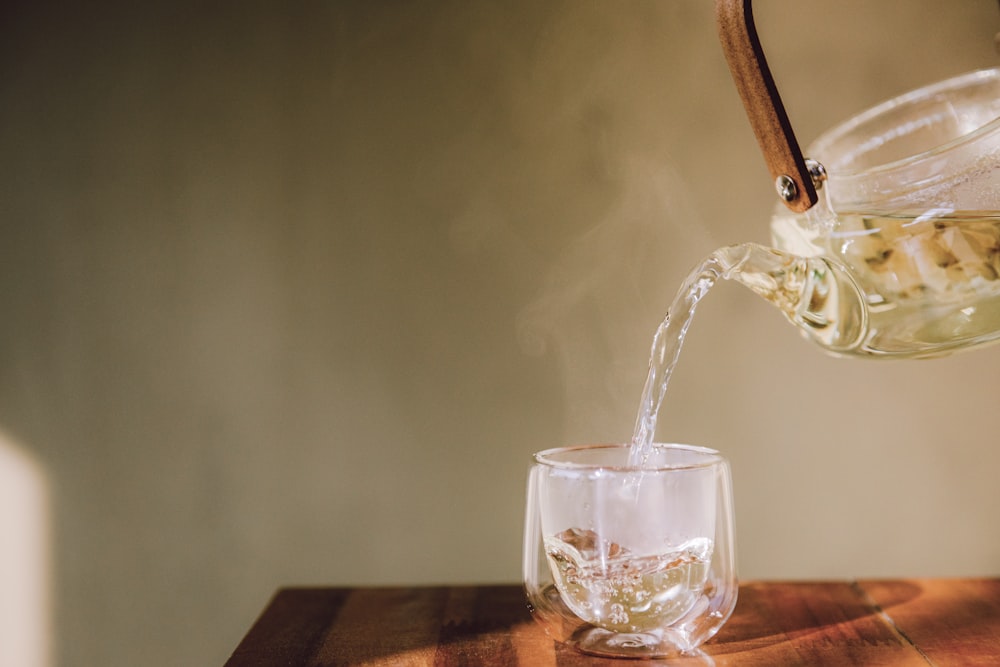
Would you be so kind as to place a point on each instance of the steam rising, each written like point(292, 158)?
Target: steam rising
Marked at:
point(601, 298)
point(576, 198)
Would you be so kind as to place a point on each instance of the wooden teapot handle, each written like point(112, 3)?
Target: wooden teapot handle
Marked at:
point(791, 174)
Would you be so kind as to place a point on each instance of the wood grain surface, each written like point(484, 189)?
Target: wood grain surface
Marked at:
point(888, 622)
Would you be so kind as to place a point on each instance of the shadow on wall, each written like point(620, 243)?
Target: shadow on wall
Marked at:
point(25, 564)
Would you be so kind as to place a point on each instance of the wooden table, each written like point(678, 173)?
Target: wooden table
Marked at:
point(892, 622)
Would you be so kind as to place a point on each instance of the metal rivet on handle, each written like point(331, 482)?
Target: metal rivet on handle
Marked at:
point(786, 187)
point(817, 173)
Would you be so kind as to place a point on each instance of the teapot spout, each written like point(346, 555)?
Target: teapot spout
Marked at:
point(817, 296)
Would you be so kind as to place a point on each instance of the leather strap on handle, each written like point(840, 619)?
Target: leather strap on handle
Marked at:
point(753, 80)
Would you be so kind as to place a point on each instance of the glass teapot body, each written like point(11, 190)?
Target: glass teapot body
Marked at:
point(910, 213)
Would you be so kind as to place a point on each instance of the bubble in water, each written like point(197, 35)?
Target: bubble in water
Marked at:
point(618, 615)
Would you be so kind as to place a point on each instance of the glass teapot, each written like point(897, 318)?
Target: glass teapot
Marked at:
point(888, 240)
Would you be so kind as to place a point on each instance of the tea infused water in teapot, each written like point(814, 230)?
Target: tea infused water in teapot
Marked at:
point(887, 241)
point(909, 210)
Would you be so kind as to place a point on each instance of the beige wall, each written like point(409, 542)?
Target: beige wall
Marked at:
point(290, 293)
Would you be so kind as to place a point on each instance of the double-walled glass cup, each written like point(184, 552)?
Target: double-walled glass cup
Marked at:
point(627, 562)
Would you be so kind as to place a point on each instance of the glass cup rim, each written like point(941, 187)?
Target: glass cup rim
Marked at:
point(708, 458)
point(930, 91)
